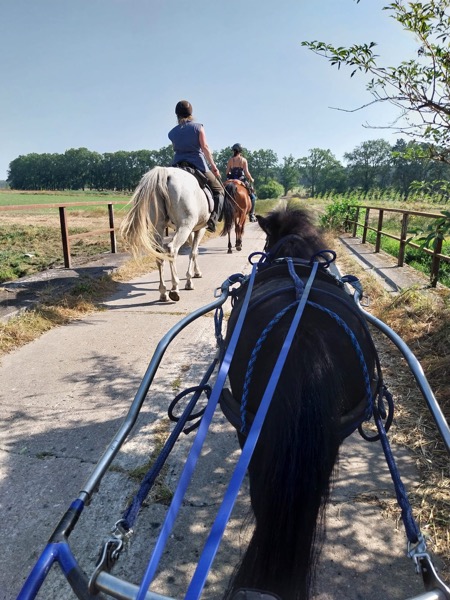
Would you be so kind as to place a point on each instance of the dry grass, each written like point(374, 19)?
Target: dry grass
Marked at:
point(53, 311)
point(421, 317)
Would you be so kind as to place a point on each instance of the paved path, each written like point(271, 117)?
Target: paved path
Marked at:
point(64, 396)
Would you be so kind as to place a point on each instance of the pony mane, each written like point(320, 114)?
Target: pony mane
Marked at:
point(287, 221)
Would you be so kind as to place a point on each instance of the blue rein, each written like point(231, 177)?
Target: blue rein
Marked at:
point(223, 515)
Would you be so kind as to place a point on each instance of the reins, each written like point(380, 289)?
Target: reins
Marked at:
point(375, 406)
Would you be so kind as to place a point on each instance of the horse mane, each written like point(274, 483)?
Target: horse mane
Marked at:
point(282, 222)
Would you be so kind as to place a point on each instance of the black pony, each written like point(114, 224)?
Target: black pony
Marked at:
point(324, 392)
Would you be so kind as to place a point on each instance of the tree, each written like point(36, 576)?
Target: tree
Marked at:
point(420, 87)
point(221, 159)
point(369, 165)
point(263, 166)
point(322, 172)
point(78, 168)
point(164, 156)
point(407, 166)
point(289, 174)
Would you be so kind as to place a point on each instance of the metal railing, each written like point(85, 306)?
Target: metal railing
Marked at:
point(436, 253)
point(63, 220)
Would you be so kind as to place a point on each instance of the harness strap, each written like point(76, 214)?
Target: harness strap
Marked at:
point(131, 513)
point(223, 515)
point(412, 530)
point(194, 453)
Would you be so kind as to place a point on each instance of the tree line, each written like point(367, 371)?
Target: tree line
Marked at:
point(374, 164)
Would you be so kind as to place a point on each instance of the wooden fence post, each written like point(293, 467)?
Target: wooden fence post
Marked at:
point(401, 250)
point(366, 223)
point(112, 233)
point(379, 230)
point(355, 224)
point(435, 263)
point(65, 237)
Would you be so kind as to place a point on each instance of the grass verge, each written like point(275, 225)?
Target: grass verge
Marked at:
point(421, 317)
point(52, 311)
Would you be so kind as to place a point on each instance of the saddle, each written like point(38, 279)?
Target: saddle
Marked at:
point(243, 182)
point(202, 181)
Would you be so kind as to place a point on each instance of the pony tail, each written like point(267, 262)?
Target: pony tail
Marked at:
point(137, 228)
point(300, 442)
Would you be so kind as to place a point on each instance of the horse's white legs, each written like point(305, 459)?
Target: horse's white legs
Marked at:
point(193, 267)
point(174, 293)
point(173, 247)
point(162, 287)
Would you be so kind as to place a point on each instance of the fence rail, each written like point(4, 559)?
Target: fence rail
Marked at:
point(63, 220)
point(436, 253)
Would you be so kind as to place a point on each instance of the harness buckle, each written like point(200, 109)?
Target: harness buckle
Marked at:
point(425, 567)
point(110, 552)
point(107, 558)
point(416, 550)
point(121, 532)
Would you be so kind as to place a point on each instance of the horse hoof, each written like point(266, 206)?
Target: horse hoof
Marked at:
point(230, 251)
point(189, 286)
point(238, 248)
point(164, 298)
point(198, 275)
point(173, 295)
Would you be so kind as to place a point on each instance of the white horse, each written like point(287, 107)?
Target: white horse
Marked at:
point(167, 196)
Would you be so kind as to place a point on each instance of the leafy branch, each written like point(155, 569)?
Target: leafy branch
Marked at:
point(420, 87)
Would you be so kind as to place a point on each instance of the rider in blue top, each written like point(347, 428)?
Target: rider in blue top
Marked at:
point(189, 142)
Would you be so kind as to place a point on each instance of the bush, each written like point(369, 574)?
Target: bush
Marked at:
point(271, 189)
point(338, 211)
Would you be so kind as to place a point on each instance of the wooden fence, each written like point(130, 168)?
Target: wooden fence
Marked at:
point(63, 220)
point(436, 253)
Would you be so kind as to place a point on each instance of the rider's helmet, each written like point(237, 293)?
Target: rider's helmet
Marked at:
point(237, 148)
point(183, 109)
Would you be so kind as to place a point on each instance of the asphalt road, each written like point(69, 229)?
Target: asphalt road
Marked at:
point(63, 398)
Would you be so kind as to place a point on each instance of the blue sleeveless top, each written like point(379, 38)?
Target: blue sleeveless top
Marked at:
point(186, 144)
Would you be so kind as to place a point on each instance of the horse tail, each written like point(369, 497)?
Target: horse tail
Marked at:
point(229, 208)
point(138, 227)
point(290, 476)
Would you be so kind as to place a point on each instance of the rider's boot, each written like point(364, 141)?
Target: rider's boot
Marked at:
point(216, 214)
point(252, 212)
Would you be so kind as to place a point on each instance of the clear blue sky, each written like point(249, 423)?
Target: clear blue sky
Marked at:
point(106, 74)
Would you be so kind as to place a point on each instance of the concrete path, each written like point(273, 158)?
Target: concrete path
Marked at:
point(63, 398)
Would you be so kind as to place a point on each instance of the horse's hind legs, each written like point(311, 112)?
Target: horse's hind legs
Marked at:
point(230, 247)
point(193, 270)
point(162, 287)
point(173, 294)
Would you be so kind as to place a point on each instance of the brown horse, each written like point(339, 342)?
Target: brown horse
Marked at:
point(238, 194)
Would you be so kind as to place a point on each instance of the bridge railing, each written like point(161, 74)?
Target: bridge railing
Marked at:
point(63, 220)
point(402, 238)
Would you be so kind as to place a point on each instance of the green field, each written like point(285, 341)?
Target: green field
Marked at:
point(12, 198)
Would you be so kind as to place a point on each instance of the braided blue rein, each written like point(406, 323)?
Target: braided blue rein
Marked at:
point(223, 515)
